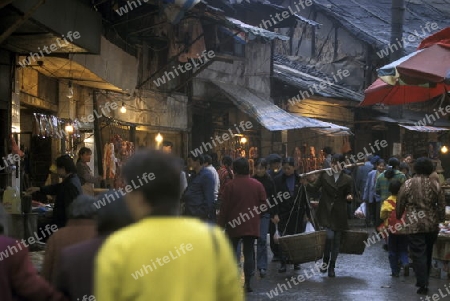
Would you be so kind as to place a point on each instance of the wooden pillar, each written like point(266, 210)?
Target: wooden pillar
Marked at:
point(97, 135)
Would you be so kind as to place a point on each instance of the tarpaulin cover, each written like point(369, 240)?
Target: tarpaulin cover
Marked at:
point(381, 92)
point(271, 116)
point(422, 128)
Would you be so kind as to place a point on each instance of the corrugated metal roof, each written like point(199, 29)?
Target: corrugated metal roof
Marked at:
point(414, 118)
point(257, 31)
point(271, 116)
point(370, 20)
point(280, 8)
point(305, 78)
point(426, 129)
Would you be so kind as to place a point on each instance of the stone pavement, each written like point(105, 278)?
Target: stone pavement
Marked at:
point(358, 277)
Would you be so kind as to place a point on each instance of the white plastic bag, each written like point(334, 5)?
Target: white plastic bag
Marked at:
point(309, 228)
point(361, 211)
point(276, 235)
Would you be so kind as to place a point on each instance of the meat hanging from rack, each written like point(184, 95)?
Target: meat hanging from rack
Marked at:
point(36, 126)
point(41, 125)
point(109, 161)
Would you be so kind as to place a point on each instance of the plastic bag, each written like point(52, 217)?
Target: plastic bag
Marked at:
point(309, 228)
point(361, 211)
point(276, 235)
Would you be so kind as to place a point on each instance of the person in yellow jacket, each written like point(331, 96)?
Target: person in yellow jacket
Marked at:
point(397, 243)
point(163, 256)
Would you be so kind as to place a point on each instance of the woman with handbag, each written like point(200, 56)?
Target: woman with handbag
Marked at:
point(332, 210)
point(291, 212)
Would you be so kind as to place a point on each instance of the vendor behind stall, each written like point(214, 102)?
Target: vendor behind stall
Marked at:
point(84, 172)
point(65, 192)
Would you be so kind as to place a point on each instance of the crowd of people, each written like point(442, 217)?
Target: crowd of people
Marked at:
point(133, 246)
point(400, 192)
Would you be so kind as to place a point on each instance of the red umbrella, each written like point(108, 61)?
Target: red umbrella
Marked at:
point(381, 92)
point(440, 37)
point(429, 64)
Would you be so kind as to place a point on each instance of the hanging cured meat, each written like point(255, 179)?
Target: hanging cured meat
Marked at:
point(41, 125)
point(109, 161)
point(35, 125)
point(15, 148)
point(55, 127)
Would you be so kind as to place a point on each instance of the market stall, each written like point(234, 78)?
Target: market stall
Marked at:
point(117, 148)
point(441, 249)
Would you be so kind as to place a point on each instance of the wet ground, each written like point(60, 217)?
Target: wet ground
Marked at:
point(358, 277)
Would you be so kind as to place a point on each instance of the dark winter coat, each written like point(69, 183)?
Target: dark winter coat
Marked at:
point(332, 210)
point(269, 186)
point(75, 274)
point(296, 222)
point(65, 192)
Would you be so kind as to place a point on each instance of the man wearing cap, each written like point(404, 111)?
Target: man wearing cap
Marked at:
point(275, 165)
point(327, 153)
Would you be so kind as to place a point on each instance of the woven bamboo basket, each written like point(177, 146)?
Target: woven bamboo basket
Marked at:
point(304, 247)
point(352, 242)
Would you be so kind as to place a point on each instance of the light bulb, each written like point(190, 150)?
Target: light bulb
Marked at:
point(69, 128)
point(243, 140)
point(123, 110)
point(444, 149)
point(159, 138)
point(70, 91)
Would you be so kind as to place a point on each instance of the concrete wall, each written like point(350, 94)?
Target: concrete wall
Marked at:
point(156, 110)
point(68, 15)
point(113, 65)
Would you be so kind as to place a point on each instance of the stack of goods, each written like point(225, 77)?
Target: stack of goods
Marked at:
point(307, 159)
point(49, 126)
point(444, 229)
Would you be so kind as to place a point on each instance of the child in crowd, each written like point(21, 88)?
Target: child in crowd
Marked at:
point(397, 243)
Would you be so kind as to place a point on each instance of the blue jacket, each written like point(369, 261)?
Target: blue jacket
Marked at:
point(199, 196)
point(361, 177)
point(370, 194)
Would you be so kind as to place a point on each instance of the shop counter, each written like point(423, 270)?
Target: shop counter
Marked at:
point(23, 225)
point(441, 251)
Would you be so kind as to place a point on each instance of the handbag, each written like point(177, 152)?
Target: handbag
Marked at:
point(309, 228)
point(361, 211)
point(276, 235)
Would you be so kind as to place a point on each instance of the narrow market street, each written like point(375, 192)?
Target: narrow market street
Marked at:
point(358, 277)
point(150, 150)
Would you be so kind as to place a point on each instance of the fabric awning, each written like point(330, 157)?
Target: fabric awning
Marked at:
point(271, 116)
point(422, 128)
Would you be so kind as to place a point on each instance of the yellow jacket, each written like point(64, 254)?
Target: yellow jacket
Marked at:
point(386, 209)
point(167, 258)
